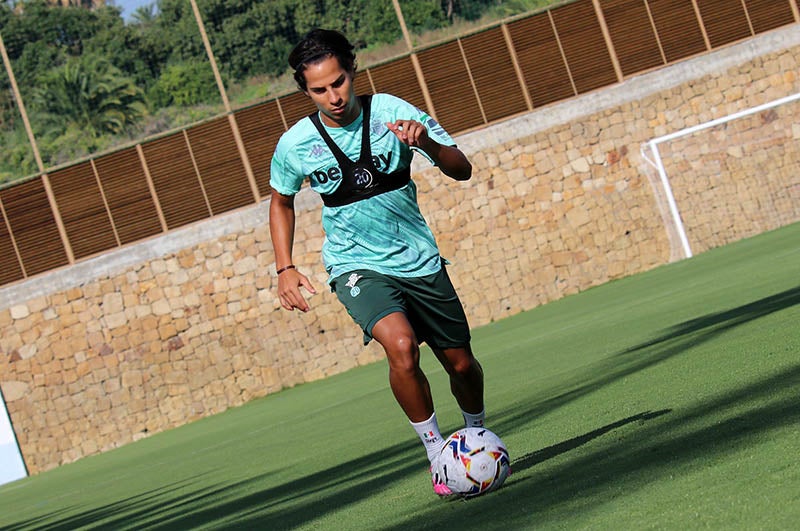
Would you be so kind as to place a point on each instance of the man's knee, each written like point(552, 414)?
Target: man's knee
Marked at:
point(402, 352)
point(459, 362)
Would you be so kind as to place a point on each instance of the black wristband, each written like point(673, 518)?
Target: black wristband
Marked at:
point(281, 270)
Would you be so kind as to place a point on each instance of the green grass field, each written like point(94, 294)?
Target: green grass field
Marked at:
point(666, 400)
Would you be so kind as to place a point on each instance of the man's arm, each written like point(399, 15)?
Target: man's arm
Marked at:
point(281, 229)
point(449, 159)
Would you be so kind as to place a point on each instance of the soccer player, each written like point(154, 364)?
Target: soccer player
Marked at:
point(380, 254)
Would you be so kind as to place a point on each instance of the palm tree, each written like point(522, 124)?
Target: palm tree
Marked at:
point(144, 15)
point(90, 93)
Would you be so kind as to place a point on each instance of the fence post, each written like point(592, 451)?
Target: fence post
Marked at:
point(561, 50)
point(148, 177)
point(21, 105)
point(655, 33)
point(51, 198)
point(472, 80)
point(702, 24)
point(414, 60)
point(248, 169)
point(512, 51)
point(795, 10)
point(13, 240)
point(601, 18)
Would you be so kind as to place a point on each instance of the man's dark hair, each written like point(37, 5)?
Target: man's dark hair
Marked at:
point(319, 44)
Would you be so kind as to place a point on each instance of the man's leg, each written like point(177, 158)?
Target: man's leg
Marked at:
point(466, 381)
point(408, 382)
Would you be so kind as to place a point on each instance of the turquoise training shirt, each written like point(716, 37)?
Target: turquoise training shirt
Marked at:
point(385, 233)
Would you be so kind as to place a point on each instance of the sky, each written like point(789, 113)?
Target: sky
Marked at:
point(129, 6)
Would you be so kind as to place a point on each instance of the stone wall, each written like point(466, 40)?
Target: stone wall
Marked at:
point(169, 330)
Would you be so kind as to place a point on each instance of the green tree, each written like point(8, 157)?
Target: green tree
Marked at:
point(88, 93)
point(184, 84)
point(250, 37)
point(40, 37)
point(177, 29)
point(365, 22)
point(16, 157)
point(119, 43)
point(144, 15)
point(422, 15)
point(467, 9)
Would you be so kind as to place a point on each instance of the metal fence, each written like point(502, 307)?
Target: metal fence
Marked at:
point(73, 212)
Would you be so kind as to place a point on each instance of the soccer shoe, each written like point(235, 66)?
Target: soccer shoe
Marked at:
point(441, 490)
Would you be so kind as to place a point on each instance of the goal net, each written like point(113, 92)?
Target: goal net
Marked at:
point(729, 178)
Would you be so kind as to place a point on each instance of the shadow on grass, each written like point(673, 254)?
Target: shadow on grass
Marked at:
point(612, 468)
point(651, 452)
point(657, 441)
point(527, 461)
point(709, 326)
point(672, 342)
point(245, 504)
point(87, 519)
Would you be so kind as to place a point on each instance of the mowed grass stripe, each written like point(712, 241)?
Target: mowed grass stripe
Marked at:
point(666, 399)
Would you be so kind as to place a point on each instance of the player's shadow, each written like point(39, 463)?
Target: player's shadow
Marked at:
point(532, 459)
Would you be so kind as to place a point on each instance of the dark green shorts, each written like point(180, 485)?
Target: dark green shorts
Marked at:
point(430, 304)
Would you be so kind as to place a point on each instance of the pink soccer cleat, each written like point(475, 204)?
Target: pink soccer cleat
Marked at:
point(441, 490)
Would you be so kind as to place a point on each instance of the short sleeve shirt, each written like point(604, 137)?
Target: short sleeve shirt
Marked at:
point(385, 233)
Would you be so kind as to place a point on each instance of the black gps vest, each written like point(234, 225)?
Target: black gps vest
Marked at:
point(360, 179)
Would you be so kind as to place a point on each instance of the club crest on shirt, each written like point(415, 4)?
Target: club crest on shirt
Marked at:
point(351, 283)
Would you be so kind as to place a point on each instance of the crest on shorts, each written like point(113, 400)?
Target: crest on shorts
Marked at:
point(351, 283)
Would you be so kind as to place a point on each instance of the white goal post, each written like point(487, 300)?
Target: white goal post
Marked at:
point(655, 159)
point(12, 466)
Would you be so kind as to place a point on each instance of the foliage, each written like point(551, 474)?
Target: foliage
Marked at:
point(423, 15)
point(17, 156)
point(90, 94)
point(254, 41)
point(135, 50)
point(38, 37)
point(145, 14)
point(509, 8)
point(184, 84)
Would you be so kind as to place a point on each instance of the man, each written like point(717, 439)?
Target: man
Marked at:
point(381, 256)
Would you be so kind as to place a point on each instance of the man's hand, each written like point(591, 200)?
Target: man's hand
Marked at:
point(411, 133)
point(449, 159)
point(289, 283)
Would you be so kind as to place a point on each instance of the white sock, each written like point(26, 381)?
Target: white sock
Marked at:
point(474, 421)
point(428, 431)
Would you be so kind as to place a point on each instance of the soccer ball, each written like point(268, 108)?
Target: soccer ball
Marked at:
point(473, 461)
